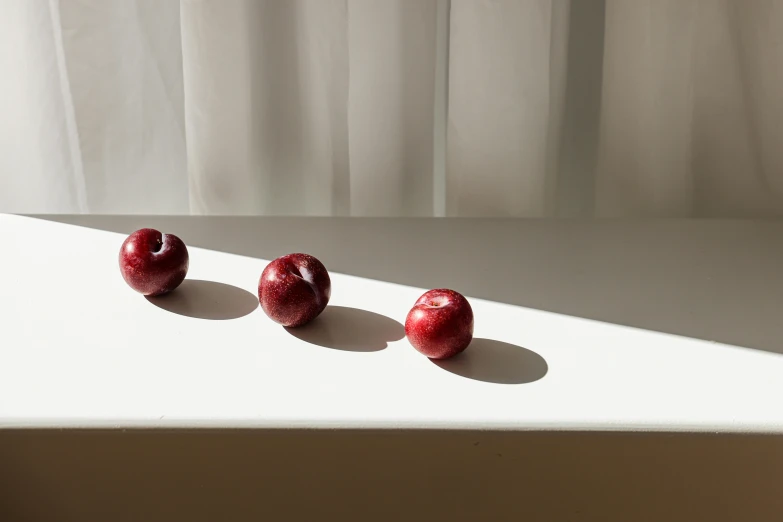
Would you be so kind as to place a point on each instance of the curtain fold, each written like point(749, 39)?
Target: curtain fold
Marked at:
point(266, 90)
point(505, 106)
point(529, 108)
point(91, 107)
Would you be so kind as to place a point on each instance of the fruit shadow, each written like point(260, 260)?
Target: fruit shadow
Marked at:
point(350, 329)
point(496, 362)
point(207, 300)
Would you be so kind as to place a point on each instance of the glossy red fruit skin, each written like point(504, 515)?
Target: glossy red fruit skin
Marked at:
point(153, 263)
point(294, 289)
point(440, 324)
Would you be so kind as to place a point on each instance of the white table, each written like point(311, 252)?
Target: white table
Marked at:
point(664, 327)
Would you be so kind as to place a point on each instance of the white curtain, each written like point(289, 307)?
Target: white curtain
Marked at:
point(581, 108)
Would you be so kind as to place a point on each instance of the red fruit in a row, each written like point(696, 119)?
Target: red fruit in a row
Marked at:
point(294, 289)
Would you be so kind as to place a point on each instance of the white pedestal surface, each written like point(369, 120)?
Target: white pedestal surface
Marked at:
point(614, 363)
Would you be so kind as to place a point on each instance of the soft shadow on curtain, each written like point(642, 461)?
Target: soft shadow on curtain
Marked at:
point(664, 108)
